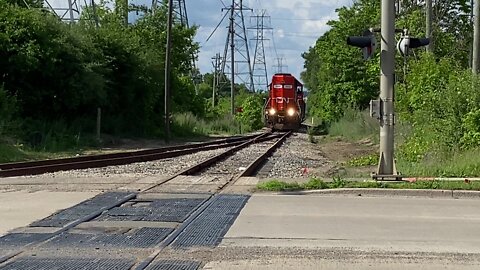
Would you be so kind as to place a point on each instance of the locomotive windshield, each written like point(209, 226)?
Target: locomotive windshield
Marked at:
point(284, 86)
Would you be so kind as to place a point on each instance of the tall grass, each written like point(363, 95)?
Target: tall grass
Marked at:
point(355, 125)
point(187, 124)
point(456, 164)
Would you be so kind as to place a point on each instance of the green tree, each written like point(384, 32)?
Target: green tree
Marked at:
point(336, 75)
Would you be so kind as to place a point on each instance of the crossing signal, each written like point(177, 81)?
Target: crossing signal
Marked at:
point(367, 42)
point(407, 43)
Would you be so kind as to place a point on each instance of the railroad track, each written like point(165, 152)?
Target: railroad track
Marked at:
point(110, 206)
point(96, 161)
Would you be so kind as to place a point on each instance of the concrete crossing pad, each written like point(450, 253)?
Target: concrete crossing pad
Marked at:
point(360, 225)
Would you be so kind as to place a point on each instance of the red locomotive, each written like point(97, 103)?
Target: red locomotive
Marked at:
point(285, 106)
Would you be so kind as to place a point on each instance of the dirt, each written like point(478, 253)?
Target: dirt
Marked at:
point(340, 151)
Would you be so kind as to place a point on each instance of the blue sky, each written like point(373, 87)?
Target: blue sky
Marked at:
point(296, 24)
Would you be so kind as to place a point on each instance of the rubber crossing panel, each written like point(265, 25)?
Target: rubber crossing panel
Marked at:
point(163, 210)
point(14, 242)
point(32, 263)
point(21, 239)
point(211, 225)
point(138, 238)
point(174, 265)
point(80, 210)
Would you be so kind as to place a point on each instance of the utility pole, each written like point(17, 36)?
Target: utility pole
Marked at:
point(386, 164)
point(167, 70)
point(428, 29)
point(259, 71)
point(216, 76)
point(121, 8)
point(476, 37)
point(232, 52)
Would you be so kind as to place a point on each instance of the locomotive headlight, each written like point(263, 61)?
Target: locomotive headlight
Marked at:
point(272, 111)
point(291, 112)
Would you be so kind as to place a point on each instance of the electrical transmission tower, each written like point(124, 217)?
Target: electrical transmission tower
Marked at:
point(259, 71)
point(180, 11)
point(180, 17)
point(70, 10)
point(240, 65)
point(279, 67)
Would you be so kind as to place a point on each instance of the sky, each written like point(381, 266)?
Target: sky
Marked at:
point(296, 24)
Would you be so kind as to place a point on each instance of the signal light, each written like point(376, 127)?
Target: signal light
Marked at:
point(419, 42)
point(407, 43)
point(367, 42)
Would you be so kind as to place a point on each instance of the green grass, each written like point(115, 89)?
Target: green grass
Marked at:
point(11, 153)
point(459, 164)
point(275, 185)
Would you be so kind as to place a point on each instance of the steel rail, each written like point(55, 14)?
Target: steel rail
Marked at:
point(194, 214)
point(204, 164)
point(251, 168)
point(12, 165)
point(40, 167)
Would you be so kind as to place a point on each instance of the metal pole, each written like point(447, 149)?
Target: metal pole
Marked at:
point(94, 10)
point(215, 75)
point(428, 29)
point(386, 164)
point(167, 71)
point(232, 48)
point(99, 122)
point(70, 11)
point(476, 37)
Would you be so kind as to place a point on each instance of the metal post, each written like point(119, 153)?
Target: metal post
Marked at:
point(94, 10)
point(386, 164)
point(70, 11)
point(167, 71)
point(428, 29)
point(476, 37)
point(232, 48)
point(99, 122)
point(214, 85)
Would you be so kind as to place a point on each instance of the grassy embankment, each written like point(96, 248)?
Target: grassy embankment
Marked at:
point(355, 126)
point(185, 126)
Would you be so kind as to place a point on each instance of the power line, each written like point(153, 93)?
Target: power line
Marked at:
point(297, 19)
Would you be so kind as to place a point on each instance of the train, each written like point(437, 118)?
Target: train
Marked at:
point(284, 108)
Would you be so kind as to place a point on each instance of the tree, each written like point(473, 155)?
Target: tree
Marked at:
point(336, 74)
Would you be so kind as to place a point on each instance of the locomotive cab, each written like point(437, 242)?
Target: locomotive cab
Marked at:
point(285, 106)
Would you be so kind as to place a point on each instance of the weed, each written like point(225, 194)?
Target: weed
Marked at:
point(314, 184)
point(368, 160)
point(276, 185)
point(338, 182)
